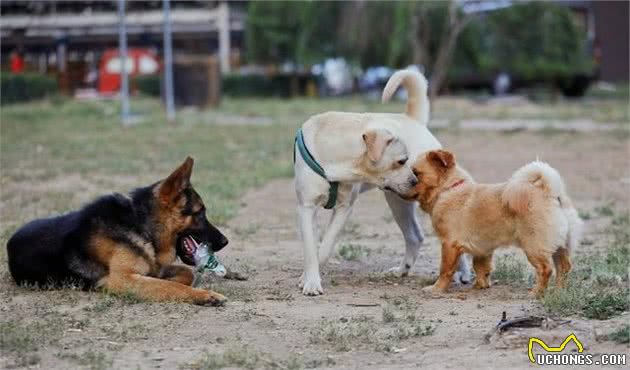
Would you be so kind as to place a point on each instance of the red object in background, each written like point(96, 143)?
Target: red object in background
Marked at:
point(139, 62)
point(17, 63)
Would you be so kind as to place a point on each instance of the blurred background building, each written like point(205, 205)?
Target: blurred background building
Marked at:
point(289, 48)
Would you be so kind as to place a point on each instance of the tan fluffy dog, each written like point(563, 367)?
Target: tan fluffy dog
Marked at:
point(532, 211)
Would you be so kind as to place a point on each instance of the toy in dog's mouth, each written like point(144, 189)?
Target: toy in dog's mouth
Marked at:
point(186, 248)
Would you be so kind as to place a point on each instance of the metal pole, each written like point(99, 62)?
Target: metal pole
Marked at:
point(122, 46)
point(224, 37)
point(168, 63)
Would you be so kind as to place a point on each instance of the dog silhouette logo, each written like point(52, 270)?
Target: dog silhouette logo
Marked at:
point(544, 346)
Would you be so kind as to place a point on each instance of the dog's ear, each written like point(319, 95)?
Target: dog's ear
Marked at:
point(441, 158)
point(376, 141)
point(176, 182)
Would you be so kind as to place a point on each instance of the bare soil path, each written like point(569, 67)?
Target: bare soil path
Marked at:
point(358, 323)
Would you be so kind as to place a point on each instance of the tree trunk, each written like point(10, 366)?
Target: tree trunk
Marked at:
point(455, 25)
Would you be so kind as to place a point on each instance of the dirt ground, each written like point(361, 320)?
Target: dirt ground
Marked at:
point(268, 323)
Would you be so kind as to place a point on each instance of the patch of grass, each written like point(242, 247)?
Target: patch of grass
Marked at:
point(618, 91)
point(229, 158)
point(584, 215)
point(621, 335)
point(352, 228)
point(233, 290)
point(605, 210)
point(23, 340)
point(597, 287)
point(509, 270)
point(606, 305)
point(353, 252)
point(125, 298)
point(245, 232)
point(279, 294)
point(102, 305)
point(92, 360)
point(399, 322)
point(245, 357)
point(126, 333)
point(345, 334)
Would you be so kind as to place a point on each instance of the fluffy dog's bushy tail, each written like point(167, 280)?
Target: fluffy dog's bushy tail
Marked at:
point(416, 86)
point(526, 181)
point(538, 178)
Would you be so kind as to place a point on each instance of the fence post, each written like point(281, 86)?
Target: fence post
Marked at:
point(224, 37)
point(122, 56)
point(168, 63)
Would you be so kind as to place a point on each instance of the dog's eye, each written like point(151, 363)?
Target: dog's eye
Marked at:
point(402, 161)
point(416, 173)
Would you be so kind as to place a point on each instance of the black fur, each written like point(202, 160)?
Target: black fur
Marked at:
point(54, 250)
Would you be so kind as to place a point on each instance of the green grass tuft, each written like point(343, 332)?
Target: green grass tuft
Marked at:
point(353, 252)
point(597, 287)
point(621, 335)
point(509, 270)
point(399, 322)
point(245, 357)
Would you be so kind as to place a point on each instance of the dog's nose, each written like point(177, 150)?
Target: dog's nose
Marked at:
point(413, 181)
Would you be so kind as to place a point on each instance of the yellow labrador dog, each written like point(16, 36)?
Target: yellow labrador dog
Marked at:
point(338, 155)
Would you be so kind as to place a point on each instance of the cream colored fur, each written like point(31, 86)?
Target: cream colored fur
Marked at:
point(340, 142)
point(531, 211)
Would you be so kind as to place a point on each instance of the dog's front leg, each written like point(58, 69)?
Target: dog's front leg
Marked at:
point(310, 283)
point(337, 221)
point(404, 213)
point(159, 290)
point(177, 273)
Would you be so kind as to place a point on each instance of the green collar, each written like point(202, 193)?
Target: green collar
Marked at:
point(312, 163)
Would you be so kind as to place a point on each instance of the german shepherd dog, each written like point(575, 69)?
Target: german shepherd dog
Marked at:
point(123, 244)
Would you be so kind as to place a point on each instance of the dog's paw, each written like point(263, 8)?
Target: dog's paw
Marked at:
point(535, 293)
point(401, 271)
point(463, 277)
point(481, 284)
point(208, 298)
point(311, 286)
point(434, 290)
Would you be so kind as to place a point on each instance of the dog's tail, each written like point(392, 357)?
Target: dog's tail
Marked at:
point(416, 86)
point(539, 180)
point(529, 181)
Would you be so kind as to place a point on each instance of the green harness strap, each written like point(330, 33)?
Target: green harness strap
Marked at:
point(312, 163)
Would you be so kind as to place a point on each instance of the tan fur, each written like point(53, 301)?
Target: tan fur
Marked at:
point(376, 142)
point(132, 273)
point(478, 218)
point(416, 86)
point(169, 215)
point(517, 198)
point(148, 276)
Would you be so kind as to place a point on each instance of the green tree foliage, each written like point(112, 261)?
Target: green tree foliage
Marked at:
point(23, 87)
point(534, 40)
point(531, 40)
point(302, 32)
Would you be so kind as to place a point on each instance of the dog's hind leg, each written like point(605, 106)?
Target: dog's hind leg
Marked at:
point(483, 267)
point(562, 261)
point(404, 213)
point(542, 264)
point(310, 282)
point(337, 221)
